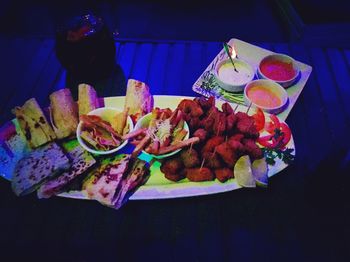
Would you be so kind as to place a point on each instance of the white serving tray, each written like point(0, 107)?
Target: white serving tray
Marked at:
point(251, 54)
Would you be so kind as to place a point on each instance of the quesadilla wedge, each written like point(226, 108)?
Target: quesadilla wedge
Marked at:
point(34, 168)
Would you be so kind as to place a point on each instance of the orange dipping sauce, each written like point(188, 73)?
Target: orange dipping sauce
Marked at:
point(263, 96)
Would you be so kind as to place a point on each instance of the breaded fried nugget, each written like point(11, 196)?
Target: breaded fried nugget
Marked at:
point(212, 160)
point(236, 146)
point(223, 174)
point(175, 176)
point(212, 143)
point(227, 154)
point(190, 158)
point(252, 149)
point(201, 133)
point(246, 125)
point(172, 165)
point(199, 174)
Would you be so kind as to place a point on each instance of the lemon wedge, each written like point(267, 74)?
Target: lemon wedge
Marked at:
point(243, 172)
point(260, 170)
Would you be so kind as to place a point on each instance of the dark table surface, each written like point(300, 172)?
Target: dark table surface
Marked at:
point(302, 216)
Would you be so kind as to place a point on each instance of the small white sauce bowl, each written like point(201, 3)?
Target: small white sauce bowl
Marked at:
point(229, 79)
point(105, 113)
point(143, 122)
point(254, 96)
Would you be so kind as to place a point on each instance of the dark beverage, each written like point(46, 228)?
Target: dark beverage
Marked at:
point(86, 49)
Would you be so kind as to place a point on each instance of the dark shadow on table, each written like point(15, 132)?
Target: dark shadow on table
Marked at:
point(114, 85)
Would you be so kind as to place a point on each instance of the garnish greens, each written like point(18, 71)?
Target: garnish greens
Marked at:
point(284, 154)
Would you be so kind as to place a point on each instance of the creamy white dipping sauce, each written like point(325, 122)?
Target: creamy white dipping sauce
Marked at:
point(228, 74)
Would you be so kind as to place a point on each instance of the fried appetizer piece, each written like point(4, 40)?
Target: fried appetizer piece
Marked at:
point(199, 174)
point(201, 133)
point(190, 108)
point(223, 174)
point(237, 137)
point(227, 154)
point(219, 127)
point(172, 165)
point(175, 176)
point(246, 125)
point(252, 149)
point(227, 109)
point(236, 146)
point(205, 103)
point(190, 158)
point(212, 143)
point(231, 121)
point(212, 160)
point(173, 169)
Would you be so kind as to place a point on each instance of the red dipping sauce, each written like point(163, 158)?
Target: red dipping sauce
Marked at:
point(278, 70)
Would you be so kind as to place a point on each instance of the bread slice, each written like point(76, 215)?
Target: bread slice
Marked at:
point(63, 113)
point(87, 99)
point(34, 124)
point(40, 164)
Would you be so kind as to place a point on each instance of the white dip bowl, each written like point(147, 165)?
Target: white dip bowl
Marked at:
point(233, 80)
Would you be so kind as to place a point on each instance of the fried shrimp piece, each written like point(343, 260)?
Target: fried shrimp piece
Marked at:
point(236, 146)
point(212, 143)
point(194, 123)
point(231, 121)
point(205, 103)
point(227, 154)
point(207, 123)
point(223, 174)
point(199, 174)
point(201, 133)
point(190, 107)
point(219, 127)
point(252, 149)
point(237, 137)
point(190, 158)
point(246, 125)
point(227, 109)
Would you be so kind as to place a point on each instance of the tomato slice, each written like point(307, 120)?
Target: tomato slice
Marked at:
point(273, 124)
point(266, 141)
point(259, 119)
point(287, 134)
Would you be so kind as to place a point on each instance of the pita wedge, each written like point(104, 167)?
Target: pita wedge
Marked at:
point(34, 124)
point(87, 99)
point(138, 99)
point(40, 164)
point(63, 113)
